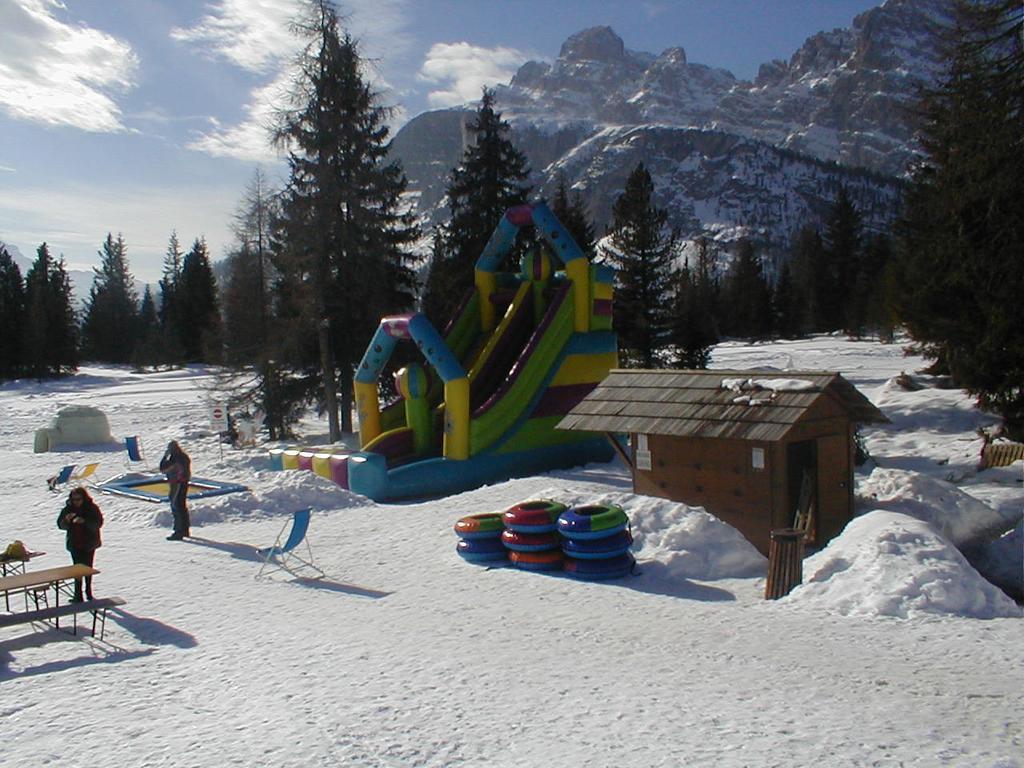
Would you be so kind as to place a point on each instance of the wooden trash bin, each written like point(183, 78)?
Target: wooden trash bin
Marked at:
point(785, 562)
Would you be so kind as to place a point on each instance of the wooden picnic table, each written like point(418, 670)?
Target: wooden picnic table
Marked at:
point(45, 579)
point(12, 565)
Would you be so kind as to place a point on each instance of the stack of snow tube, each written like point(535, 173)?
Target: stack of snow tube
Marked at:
point(596, 541)
point(531, 535)
point(480, 538)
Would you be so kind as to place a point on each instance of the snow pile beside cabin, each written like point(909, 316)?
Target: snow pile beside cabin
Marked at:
point(954, 514)
point(890, 564)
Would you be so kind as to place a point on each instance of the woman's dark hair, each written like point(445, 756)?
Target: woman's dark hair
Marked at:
point(80, 491)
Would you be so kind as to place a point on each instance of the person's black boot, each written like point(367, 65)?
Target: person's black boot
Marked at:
point(175, 537)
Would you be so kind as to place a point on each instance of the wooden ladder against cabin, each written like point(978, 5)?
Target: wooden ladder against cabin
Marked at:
point(806, 507)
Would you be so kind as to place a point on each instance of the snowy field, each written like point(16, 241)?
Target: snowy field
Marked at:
point(895, 651)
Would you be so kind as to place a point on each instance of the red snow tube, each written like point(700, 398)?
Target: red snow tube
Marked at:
point(517, 541)
point(539, 516)
point(551, 560)
point(484, 526)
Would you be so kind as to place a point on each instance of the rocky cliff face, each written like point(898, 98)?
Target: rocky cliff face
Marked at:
point(729, 158)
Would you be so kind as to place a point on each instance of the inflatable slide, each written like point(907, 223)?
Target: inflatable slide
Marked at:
point(521, 351)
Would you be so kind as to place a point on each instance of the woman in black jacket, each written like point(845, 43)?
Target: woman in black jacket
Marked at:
point(82, 520)
point(177, 466)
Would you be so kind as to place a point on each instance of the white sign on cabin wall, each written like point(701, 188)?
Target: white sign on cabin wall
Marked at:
point(757, 458)
point(643, 454)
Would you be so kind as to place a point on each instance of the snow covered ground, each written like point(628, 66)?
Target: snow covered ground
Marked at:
point(895, 651)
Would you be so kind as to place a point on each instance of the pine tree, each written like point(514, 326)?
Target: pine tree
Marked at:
point(147, 348)
point(570, 209)
point(642, 250)
point(247, 298)
point(345, 224)
point(171, 350)
point(490, 179)
point(12, 313)
point(960, 274)
point(811, 282)
point(748, 299)
point(693, 324)
point(843, 264)
point(867, 308)
point(785, 310)
point(50, 328)
point(109, 331)
point(197, 308)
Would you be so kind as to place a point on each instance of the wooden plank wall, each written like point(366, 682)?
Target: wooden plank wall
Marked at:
point(716, 474)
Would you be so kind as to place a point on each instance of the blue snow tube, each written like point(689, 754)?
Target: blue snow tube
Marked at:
point(593, 549)
point(482, 550)
point(592, 521)
point(603, 568)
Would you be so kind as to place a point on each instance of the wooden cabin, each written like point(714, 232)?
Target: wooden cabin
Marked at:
point(759, 450)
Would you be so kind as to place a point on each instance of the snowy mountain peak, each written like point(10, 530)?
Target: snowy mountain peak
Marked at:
point(833, 108)
point(594, 44)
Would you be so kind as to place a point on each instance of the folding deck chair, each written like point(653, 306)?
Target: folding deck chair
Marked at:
point(60, 478)
point(84, 473)
point(134, 448)
point(283, 556)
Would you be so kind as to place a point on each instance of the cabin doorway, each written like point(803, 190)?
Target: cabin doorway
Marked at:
point(802, 485)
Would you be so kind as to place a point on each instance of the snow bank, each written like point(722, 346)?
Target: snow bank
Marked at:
point(689, 543)
point(957, 515)
point(277, 494)
point(890, 564)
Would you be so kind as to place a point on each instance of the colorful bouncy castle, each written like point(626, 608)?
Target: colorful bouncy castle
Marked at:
point(482, 407)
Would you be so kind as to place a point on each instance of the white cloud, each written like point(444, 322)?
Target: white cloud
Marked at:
point(256, 36)
point(7, 169)
point(250, 139)
point(462, 70)
point(58, 73)
point(252, 34)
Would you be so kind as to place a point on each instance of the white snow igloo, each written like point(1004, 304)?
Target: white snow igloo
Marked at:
point(74, 425)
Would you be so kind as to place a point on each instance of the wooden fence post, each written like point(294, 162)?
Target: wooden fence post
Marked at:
point(785, 562)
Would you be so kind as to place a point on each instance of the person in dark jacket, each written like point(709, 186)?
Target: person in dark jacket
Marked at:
point(177, 467)
point(82, 520)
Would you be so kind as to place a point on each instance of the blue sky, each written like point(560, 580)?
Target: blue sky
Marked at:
point(147, 116)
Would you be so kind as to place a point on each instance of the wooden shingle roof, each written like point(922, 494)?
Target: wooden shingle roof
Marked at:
point(747, 405)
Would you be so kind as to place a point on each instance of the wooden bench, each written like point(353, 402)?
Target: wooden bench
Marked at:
point(97, 607)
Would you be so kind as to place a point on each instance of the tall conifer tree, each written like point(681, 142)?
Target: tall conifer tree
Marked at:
point(490, 179)
point(12, 316)
point(51, 337)
point(171, 350)
point(747, 303)
point(110, 328)
point(569, 208)
point(960, 270)
point(642, 248)
point(197, 305)
point(345, 225)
